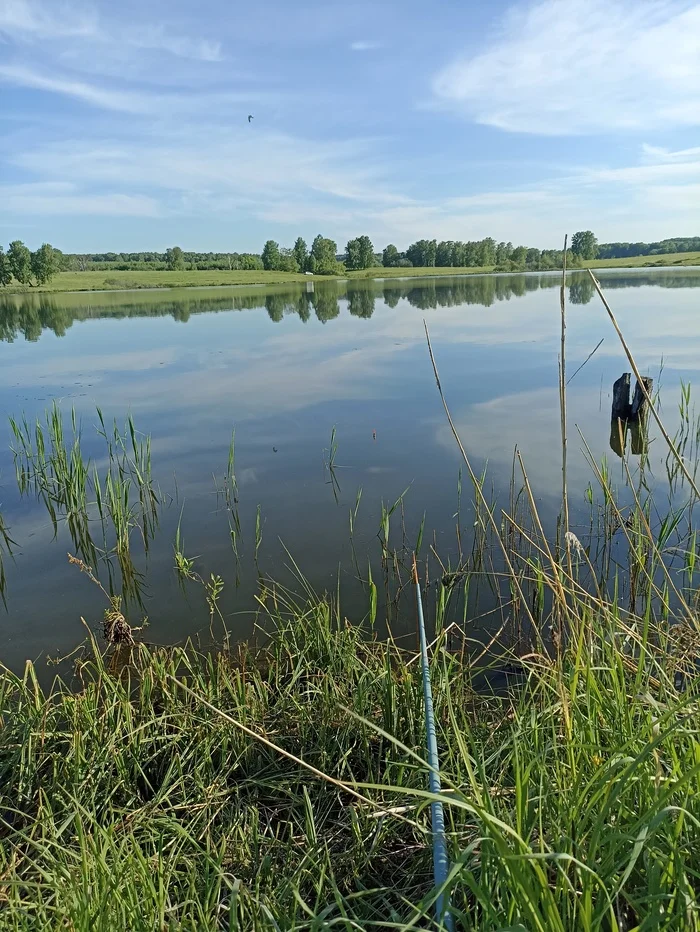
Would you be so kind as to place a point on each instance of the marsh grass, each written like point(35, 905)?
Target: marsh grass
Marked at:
point(113, 497)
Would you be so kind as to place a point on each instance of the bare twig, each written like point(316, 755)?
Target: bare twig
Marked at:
point(571, 377)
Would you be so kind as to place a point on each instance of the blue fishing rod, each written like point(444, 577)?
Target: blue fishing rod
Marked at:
point(437, 814)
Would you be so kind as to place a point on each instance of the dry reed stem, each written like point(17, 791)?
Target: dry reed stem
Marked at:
point(562, 393)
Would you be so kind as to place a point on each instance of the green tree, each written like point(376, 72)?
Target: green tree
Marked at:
point(352, 254)
point(487, 252)
point(175, 259)
point(20, 260)
point(417, 253)
point(445, 254)
point(390, 256)
point(271, 256)
point(366, 252)
point(44, 263)
point(324, 251)
point(5, 271)
point(301, 253)
point(584, 245)
point(532, 260)
point(288, 261)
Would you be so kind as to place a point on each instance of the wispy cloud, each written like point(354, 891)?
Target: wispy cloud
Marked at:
point(657, 154)
point(217, 164)
point(365, 45)
point(34, 20)
point(560, 67)
point(139, 101)
point(81, 90)
point(155, 37)
point(22, 19)
point(64, 199)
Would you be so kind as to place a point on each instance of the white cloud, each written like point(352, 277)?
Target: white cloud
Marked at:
point(365, 45)
point(32, 20)
point(137, 102)
point(218, 167)
point(62, 198)
point(562, 67)
point(89, 93)
point(658, 154)
point(343, 188)
point(22, 19)
point(156, 38)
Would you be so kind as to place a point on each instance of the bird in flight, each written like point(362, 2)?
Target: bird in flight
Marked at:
point(250, 117)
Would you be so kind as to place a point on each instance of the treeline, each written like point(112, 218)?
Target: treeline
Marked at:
point(485, 253)
point(630, 250)
point(323, 258)
point(26, 267)
point(174, 260)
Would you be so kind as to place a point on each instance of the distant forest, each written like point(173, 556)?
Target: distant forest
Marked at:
point(360, 254)
point(323, 258)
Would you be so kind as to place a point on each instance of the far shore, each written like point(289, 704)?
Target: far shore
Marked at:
point(112, 280)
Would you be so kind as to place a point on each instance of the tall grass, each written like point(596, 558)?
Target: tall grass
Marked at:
point(144, 800)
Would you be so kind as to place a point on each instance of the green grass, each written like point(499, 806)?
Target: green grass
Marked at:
point(667, 259)
point(135, 803)
point(124, 281)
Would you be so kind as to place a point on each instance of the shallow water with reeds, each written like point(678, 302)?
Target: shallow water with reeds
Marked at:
point(332, 399)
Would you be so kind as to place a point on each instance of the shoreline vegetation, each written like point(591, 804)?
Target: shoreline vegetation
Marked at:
point(110, 280)
point(280, 785)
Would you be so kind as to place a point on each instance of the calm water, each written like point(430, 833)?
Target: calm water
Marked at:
point(283, 366)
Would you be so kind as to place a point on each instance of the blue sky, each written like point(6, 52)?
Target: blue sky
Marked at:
point(123, 126)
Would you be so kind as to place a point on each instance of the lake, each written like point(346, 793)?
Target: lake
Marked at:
point(311, 376)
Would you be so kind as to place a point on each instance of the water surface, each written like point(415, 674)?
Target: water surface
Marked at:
point(284, 365)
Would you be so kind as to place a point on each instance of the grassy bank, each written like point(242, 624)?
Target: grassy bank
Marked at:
point(639, 262)
point(126, 281)
point(141, 803)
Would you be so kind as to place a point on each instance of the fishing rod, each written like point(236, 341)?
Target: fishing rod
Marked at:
point(437, 814)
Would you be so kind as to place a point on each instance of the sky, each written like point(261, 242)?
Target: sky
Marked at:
point(124, 126)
